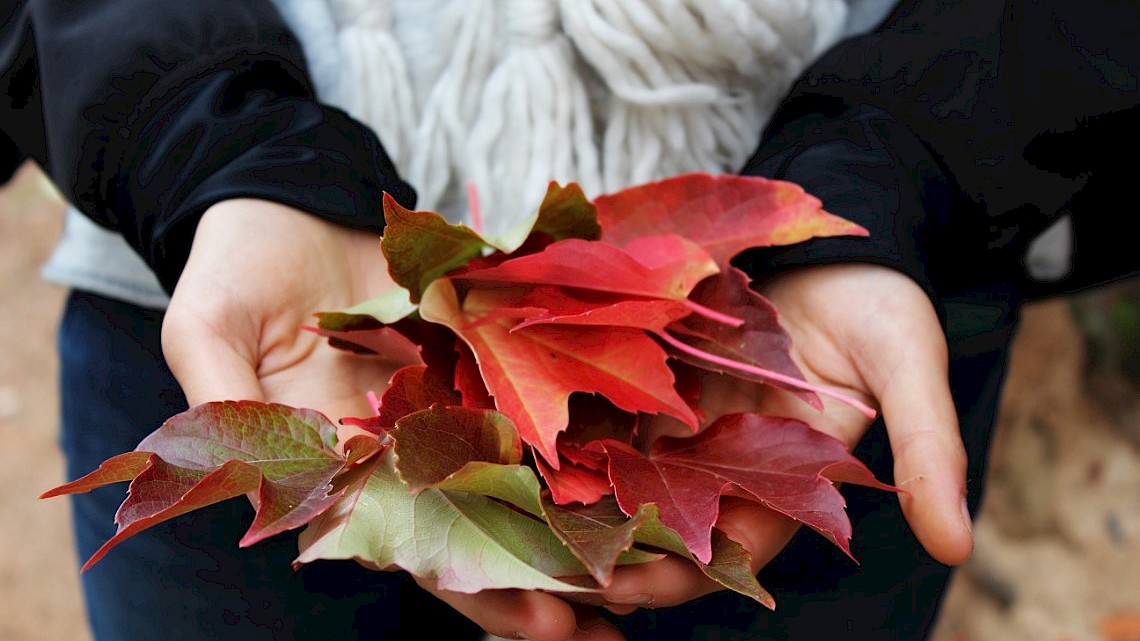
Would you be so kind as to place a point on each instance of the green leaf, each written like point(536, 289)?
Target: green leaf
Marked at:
point(565, 213)
point(515, 484)
point(421, 246)
point(466, 542)
point(387, 308)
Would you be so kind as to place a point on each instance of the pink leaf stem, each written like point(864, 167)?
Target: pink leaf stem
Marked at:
point(476, 214)
point(759, 371)
point(712, 314)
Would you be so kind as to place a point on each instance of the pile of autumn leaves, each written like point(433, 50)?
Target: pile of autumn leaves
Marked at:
point(510, 449)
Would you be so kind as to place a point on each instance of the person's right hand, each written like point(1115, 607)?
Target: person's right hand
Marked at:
point(871, 333)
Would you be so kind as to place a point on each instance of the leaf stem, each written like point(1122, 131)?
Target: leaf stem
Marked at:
point(775, 376)
point(476, 214)
point(713, 315)
point(374, 402)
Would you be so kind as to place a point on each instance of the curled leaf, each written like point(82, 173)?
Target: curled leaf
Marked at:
point(421, 246)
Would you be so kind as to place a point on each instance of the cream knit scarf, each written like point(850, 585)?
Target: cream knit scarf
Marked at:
point(607, 93)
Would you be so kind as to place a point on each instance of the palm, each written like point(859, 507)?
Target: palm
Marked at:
point(256, 274)
point(871, 333)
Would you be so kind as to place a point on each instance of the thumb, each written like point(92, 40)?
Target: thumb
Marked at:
point(208, 364)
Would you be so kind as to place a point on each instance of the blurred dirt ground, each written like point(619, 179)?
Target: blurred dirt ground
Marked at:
point(1058, 552)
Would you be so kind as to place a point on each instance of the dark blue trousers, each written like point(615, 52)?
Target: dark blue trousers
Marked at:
point(187, 579)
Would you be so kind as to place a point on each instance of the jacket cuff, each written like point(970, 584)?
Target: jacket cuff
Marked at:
point(10, 158)
point(867, 168)
point(241, 132)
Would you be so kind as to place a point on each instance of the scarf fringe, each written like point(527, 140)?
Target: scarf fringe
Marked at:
point(534, 123)
point(374, 81)
point(607, 93)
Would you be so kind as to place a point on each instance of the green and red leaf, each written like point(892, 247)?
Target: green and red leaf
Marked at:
point(565, 212)
point(435, 443)
point(464, 541)
point(598, 534)
point(421, 246)
point(218, 451)
point(730, 566)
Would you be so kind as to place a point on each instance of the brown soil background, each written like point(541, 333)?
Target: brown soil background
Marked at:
point(1058, 543)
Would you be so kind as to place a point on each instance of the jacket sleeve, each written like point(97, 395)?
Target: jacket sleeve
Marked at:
point(932, 133)
point(10, 158)
point(146, 113)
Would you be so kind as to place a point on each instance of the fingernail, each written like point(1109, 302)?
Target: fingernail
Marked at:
point(966, 519)
point(632, 599)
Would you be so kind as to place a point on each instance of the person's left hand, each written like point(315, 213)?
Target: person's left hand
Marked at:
point(256, 273)
point(872, 333)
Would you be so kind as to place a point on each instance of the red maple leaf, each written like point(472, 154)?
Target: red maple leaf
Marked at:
point(576, 263)
point(782, 463)
point(723, 214)
point(532, 372)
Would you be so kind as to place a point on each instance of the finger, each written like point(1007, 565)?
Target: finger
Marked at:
point(593, 627)
point(662, 583)
point(930, 460)
point(675, 580)
point(761, 531)
point(514, 614)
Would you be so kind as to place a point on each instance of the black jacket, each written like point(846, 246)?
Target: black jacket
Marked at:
point(956, 132)
point(146, 113)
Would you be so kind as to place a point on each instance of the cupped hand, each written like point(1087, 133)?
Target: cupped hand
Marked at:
point(257, 271)
point(871, 333)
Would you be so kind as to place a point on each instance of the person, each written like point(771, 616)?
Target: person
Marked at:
point(197, 137)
